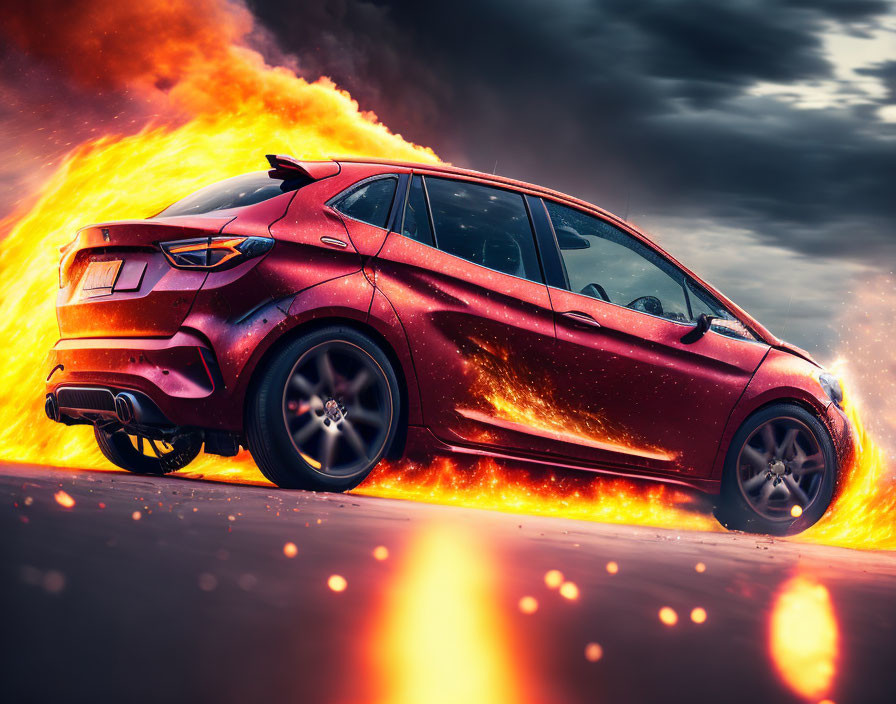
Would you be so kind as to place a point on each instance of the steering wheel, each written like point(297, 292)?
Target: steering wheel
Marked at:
point(596, 291)
point(647, 304)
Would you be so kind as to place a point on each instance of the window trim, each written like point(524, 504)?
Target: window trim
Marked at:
point(546, 242)
point(344, 193)
point(397, 210)
point(432, 223)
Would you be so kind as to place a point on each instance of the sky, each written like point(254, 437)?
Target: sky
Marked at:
point(756, 141)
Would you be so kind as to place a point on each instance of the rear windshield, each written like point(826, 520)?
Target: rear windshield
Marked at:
point(235, 192)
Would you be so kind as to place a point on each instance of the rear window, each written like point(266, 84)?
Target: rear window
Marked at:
point(370, 201)
point(235, 192)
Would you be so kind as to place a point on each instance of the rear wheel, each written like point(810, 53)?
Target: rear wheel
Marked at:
point(143, 455)
point(325, 411)
point(780, 472)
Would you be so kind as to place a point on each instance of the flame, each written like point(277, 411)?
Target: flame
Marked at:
point(442, 637)
point(510, 392)
point(804, 637)
point(863, 510)
point(488, 485)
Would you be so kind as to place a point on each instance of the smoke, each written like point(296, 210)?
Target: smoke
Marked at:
point(73, 71)
point(868, 356)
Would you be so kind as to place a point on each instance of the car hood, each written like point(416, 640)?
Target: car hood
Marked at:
point(798, 351)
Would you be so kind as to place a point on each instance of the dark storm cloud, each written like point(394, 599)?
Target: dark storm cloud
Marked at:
point(886, 72)
point(641, 107)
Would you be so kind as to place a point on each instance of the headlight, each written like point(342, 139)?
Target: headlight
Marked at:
point(831, 386)
point(214, 252)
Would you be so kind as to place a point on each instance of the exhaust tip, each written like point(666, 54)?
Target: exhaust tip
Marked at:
point(51, 408)
point(124, 408)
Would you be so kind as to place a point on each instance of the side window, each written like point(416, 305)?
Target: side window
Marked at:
point(605, 262)
point(370, 202)
point(416, 217)
point(484, 225)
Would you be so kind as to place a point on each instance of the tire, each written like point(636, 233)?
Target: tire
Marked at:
point(120, 450)
point(780, 458)
point(325, 411)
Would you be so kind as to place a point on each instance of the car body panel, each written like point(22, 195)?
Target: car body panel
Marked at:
point(383, 318)
point(650, 388)
point(454, 311)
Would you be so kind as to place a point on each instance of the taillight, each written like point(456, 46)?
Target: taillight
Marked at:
point(214, 252)
point(68, 253)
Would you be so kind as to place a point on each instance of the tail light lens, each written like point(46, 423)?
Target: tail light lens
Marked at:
point(68, 253)
point(221, 252)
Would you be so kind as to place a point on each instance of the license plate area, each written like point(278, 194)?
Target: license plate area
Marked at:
point(99, 278)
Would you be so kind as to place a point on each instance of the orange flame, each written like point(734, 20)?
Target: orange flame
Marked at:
point(863, 511)
point(510, 392)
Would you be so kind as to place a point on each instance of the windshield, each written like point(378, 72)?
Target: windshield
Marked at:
point(235, 192)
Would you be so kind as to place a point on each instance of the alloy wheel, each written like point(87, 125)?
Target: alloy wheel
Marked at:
point(780, 469)
point(337, 407)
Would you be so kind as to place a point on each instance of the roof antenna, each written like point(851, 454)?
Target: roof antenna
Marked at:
point(496, 167)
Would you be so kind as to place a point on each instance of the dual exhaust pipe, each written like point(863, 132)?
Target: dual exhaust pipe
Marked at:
point(126, 406)
point(128, 409)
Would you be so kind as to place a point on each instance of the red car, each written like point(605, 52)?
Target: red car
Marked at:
point(326, 315)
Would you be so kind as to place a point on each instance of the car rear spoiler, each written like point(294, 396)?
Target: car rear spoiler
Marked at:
point(287, 167)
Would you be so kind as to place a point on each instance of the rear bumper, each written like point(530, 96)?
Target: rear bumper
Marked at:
point(177, 375)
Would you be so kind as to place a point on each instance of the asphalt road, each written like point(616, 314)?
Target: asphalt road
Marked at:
point(167, 589)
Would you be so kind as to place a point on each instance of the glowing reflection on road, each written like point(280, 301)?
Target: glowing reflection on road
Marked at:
point(441, 637)
point(804, 637)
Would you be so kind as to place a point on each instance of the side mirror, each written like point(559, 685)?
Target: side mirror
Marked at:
point(704, 322)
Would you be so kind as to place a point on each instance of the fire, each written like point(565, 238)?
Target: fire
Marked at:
point(862, 513)
point(491, 486)
point(804, 637)
point(512, 393)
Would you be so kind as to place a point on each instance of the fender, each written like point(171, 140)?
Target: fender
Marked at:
point(384, 319)
point(781, 377)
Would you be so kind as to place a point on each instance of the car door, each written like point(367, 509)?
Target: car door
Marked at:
point(654, 402)
point(462, 272)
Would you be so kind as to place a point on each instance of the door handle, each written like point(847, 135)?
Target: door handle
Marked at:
point(333, 242)
point(581, 318)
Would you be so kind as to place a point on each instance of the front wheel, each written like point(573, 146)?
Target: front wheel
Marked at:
point(325, 412)
point(780, 472)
